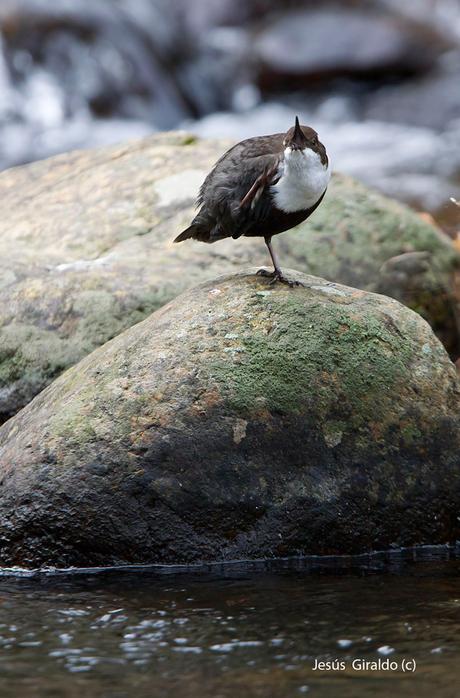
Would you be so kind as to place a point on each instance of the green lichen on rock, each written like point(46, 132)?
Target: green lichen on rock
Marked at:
point(363, 239)
point(86, 252)
point(362, 357)
point(359, 359)
point(240, 420)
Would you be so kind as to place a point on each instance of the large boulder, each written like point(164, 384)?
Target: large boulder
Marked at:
point(363, 239)
point(343, 42)
point(241, 420)
point(86, 251)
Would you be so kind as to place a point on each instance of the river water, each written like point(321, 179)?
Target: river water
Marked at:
point(256, 629)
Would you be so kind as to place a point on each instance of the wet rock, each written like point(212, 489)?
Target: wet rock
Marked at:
point(86, 251)
point(441, 14)
point(240, 421)
point(432, 101)
point(332, 41)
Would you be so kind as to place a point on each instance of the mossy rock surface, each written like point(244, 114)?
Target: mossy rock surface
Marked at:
point(241, 420)
point(363, 239)
point(86, 251)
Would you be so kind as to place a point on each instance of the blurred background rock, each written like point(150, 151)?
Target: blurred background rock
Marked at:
point(378, 79)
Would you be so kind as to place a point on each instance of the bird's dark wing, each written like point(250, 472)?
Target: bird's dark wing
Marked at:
point(232, 193)
point(236, 163)
point(268, 177)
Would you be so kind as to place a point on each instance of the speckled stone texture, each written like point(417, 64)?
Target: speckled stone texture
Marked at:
point(241, 420)
point(86, 251)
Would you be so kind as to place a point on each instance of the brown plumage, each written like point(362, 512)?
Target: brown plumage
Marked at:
point(244, 194)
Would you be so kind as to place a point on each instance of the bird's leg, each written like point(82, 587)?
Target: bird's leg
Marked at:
point(276, 274)
point(277, 270)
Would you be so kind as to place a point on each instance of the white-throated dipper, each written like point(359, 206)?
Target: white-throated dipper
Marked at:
point(261, 187)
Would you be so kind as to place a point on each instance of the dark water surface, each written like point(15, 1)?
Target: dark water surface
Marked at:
point(237, 630)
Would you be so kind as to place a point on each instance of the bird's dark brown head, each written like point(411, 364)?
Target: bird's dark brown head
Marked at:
point(300, 137)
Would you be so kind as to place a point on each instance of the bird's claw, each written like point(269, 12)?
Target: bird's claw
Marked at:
point(279, 276)
point(292, 283)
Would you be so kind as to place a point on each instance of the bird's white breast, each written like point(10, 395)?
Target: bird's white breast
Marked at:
point(303, 180)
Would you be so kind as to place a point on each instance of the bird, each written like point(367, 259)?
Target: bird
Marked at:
point(261, 187)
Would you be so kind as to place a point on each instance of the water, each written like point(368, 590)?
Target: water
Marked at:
point(80, 74)
point(250, 629)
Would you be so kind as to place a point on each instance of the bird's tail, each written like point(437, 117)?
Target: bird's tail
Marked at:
point(186, 234)
point(196, 232)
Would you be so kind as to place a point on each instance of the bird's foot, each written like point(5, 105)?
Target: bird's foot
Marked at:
point(292, 283)
point(277, 275)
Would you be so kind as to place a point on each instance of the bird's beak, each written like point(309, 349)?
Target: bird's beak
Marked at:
point(298, 139)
